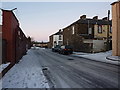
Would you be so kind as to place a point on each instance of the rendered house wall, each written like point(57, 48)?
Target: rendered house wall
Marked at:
point(116, 28)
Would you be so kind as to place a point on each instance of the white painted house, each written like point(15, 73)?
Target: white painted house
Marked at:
point(58, 38)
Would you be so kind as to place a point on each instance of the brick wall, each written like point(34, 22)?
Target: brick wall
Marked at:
point(75, 40)
point(50, 45)
point(16, 41)
point(10, 23)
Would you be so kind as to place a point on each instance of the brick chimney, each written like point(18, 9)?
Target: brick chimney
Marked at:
point(83, 17)
point(105, 18)
point(60, 30)
point(95, 17)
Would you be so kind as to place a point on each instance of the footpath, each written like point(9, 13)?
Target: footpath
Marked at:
point(26, 74)
point(105, 57)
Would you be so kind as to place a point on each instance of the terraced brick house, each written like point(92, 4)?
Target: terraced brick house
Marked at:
point(88, 35)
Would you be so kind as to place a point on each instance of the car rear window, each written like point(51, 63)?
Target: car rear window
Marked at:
point(68, 47)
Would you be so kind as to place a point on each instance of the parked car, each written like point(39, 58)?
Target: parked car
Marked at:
point(56, 48)
point(66, 49)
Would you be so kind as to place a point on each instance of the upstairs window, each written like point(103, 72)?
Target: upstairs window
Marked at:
point(60, 37)
point(18, 32)
point(73, 30)
point(100, 29)
point(90, 31)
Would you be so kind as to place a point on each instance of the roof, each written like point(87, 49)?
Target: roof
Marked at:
point(58, 33)
point(115, 2)
point(12, 14)
point(91, 21)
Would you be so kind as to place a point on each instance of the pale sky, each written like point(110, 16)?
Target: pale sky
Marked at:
point(41, 19)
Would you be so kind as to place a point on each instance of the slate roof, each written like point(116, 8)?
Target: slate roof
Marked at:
point(91, 21)
point(58, 33)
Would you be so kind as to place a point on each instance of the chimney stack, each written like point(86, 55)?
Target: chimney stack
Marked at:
point(60, 30)
point(105, 18)
point(95, 17)
point(83, 17)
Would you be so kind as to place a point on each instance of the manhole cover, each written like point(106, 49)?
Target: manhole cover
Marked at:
point(70, 59)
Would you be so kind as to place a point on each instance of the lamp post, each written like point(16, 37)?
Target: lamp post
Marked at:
point(108, 31)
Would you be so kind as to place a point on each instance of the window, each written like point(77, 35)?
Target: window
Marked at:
point(90, 31)
point(73, 30)
point(110, 29)
point(60, 37)
point(100, 29)
point(55, 42)
point(60, 42)
point(18, 32)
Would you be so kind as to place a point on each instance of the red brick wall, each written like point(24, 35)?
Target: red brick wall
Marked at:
point(17, 42)
point(10, 23)
point(0, 31)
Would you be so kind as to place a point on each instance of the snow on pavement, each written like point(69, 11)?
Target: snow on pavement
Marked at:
point(26, 74)
point(97, 57)
point(3, 66)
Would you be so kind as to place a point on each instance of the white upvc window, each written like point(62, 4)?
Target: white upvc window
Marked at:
point(100, 29)
point(73, 30)
point(60, 37)
point(90, 31)
point(110, 30)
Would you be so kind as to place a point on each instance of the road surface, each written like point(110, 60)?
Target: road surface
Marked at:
point(64, 71)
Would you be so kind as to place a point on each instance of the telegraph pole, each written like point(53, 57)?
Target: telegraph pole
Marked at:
point(108, 31)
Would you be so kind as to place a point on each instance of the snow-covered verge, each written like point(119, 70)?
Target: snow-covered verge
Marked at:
point(26, 74)
point(35, 47)
point(3, 66)
point(97, 56)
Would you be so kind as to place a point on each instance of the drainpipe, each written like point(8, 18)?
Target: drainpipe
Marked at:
point(67, 41)
point(88, 26)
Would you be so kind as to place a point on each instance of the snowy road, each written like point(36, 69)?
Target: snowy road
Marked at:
point(72, 72)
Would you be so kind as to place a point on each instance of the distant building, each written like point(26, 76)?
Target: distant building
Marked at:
point(56, 39)
point(41, 44)
point(87, 35)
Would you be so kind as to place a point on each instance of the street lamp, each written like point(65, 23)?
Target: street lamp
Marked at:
point(108, 31)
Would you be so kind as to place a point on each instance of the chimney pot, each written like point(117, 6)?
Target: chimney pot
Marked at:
point(95, 17)
point(105, 18)
point(83, 17)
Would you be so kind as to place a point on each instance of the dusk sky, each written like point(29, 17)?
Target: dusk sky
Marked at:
point(41, 19)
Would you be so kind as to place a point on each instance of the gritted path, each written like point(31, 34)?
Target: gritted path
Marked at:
point(72, 72)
